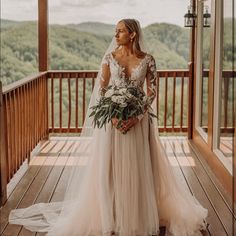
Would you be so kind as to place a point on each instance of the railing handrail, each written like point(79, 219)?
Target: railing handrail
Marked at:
point(3, 165)
point(10, 87)
point(16, 84)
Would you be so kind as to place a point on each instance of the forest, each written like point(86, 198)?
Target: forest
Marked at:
point(81, 47)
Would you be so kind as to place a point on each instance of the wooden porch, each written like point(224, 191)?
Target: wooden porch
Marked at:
point(49, 169)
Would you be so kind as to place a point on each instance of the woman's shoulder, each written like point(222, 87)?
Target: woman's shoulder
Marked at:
point(149, 56)
point(150, 59)
point(106, 59)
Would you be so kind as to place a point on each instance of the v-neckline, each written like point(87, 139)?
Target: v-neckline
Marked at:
point(123, 67)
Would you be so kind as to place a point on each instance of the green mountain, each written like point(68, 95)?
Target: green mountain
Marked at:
point(81, 46)
point(94, 28)
point(10, 23)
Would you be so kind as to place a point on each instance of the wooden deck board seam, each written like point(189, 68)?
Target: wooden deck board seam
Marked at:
point(35, 176)
point(41, 188)
point(185, 178)
point(190, 188)
point(207, 195)
point(22, 196)
point(54, 189)
point(212, 181)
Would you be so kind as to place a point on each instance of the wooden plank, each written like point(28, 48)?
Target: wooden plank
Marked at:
point(37, 114)
point(51, 183)
point(173, 102)
point(168, 129)
point(7, 135)
point(35, 188)
point(59, 192)
point(46, 106)
point(215, 181)
point(176, 167)
point(20, 121)
point(43, 34)
point(165, 111)
point(216, 227)
point(27, 108)
point(3, 152)
point(16, 130)
point(215, 197)
point(60, 101)
point(93, 73)
point(21, 188)
point(13, 86)
point(52, 104)
point(12, 131)
point(84, 98)
point(76, 102)
point(69, 105)
point(174, 163)
point(182, 103)
point(54, 184)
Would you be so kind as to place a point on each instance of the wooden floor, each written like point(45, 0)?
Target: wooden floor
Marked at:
point(46, 179)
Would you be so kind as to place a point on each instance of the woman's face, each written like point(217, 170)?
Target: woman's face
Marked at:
point(122, 34)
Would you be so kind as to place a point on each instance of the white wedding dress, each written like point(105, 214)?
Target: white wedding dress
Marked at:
point(128, 187)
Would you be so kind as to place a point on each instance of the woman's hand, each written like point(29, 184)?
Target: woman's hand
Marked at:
point(126, 125)
point(115, 122)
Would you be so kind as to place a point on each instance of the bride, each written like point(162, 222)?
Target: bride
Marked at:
point(123, 184)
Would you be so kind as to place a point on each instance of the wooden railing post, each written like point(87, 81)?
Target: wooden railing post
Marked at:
point(191, 75)
point(43, 34)
point(190, 100)
point(3, 147)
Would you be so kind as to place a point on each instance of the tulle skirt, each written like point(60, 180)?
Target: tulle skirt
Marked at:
point(122, 185)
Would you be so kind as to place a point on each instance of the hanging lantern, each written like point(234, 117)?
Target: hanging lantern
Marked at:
point(189, 17)
point(206, 18)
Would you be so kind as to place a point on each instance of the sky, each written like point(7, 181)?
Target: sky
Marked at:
point(106, 11)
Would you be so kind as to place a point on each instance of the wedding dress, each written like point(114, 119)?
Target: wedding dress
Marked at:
point(122, 184)
point(130, 184)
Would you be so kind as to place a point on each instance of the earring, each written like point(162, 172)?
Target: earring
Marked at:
point(131, 40)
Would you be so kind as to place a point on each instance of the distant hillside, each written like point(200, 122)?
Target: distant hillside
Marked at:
point(81, 46)
point(94, 28)
point(10, 23)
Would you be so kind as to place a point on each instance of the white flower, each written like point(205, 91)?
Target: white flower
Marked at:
point(117, 99)
point(109, 93)
point(123, 90)
point(129, 95)
point(123, 104)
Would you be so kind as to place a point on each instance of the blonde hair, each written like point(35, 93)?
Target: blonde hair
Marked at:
point(133, 26)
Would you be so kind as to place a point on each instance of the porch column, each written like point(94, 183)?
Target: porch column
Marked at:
point(3, 160)
point(43, 35)
point(191, 75)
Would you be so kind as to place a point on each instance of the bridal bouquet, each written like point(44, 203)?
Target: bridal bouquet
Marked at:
point(121, 102)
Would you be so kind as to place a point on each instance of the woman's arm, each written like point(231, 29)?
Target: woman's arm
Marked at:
point(151, 91)
point(104, 81)
point(104, 77)
point(151, 79)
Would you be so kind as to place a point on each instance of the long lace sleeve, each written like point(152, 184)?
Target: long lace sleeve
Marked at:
point(104, 75)
point(151, 77)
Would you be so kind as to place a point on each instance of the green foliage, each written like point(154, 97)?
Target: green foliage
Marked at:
point(94, 28)
point(81, 47)
point(75, 50)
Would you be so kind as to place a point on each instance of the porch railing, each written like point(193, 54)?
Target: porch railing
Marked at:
point(70, 92)
point(226, 102)
point(57, 101)
point(24, 112)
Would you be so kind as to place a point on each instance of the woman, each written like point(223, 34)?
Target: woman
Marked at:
point(126, 187)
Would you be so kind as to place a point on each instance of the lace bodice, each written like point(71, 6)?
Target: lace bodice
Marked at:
point(146, 69)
